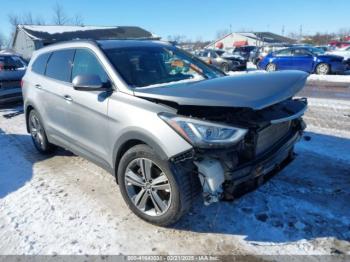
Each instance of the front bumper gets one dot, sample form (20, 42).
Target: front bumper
(340, 67)
(265, 163)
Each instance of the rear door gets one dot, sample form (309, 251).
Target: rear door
(52, 89)
(87, 110)
(303, 60)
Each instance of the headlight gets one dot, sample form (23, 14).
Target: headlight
(204, 134)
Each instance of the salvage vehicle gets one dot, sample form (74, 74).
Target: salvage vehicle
(164, 123)
(308, 59)
(222, 60)
(12, 69)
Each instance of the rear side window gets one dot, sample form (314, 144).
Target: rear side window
(59, 66)
(39, 64)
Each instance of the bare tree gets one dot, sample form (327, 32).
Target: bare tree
(59, 16)
(222, 33)
(14, 20)
(177, 38)
(2, 41)
(78, 20)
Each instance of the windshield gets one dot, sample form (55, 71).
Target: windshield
(150, 66)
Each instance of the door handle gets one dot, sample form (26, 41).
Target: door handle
(38, 86)
(68, 98)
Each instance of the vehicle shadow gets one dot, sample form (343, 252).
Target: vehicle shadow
(18, 157)
(308, 199)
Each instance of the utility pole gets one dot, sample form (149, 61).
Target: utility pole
(282, 30)
(300, 32)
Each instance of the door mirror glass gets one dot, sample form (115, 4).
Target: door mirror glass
(88, 83)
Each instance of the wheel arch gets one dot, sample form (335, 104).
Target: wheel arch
(28, 108)
(131, 139)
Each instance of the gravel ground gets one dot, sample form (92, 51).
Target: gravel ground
(63, 204)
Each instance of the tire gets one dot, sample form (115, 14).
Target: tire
(176, 193)
(271, 67)
(38, 134)
(323, 69)
(225, 67)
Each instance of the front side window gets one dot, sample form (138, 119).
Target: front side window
(39, 64)
(284, 52)
(157, 65)
(59, 65)
(301, 52)
(86, 63)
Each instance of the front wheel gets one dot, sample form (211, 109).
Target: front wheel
(153, 190)
(322, 69)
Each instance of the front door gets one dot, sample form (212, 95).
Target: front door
(303, 60)
(87, 111)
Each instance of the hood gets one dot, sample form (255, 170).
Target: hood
(331, 56)
(340, 53)
(255, 90)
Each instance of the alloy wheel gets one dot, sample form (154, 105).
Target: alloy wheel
(36, 130)
(147, 187)
(322, 69)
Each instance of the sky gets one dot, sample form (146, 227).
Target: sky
(191, 18)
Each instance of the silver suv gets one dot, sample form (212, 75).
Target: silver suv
(167, 125)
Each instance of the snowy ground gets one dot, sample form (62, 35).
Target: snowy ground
(63, 204)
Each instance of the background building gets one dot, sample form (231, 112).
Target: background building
(252, 38)
(29, 38)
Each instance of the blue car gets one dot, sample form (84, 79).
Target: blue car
(308, 59)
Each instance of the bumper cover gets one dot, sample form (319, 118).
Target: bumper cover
(265, 163)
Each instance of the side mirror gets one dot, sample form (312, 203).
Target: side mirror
(88, 83)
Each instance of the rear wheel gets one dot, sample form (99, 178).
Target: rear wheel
(38, 133)
(323, 69)
(153, 190)
(271, 67)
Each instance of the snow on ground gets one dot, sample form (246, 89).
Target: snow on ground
(63, 204)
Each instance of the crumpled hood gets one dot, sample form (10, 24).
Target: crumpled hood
(254, 90)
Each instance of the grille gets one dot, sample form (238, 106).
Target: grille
(270, 136)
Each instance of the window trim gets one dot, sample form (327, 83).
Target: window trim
(31, 66)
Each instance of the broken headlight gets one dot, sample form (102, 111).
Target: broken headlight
(203, 134)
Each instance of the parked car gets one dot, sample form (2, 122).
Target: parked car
(343, 52)
(12, 69)
(163, 122)
(259, 53)
(308, 59)
(339, 44)
(223, 61)
(244, 51)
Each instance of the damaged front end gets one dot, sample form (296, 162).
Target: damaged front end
(236, 145)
